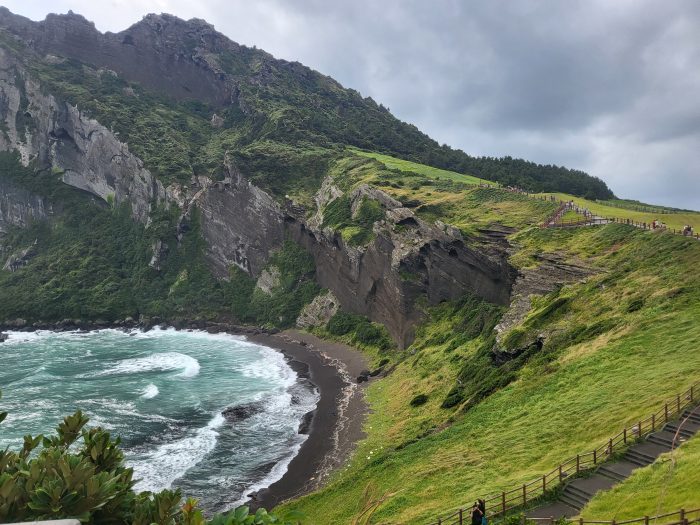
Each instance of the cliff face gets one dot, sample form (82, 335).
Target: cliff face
(409, 264)
(55, 135)
(19, 207)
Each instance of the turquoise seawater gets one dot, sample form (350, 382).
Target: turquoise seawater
(163, 393)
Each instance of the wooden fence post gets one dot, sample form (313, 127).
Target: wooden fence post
(544, 484)
(691, 394)
(595, 457)
(610, 447)
(678, 403)
(639, 430)
(682, 515)
(578, 463)
(461, 517)
(665, 412)
(653, 422)
(439, 521)
(503, 502)
(561, 476)
(524, 494)
(624, 435)
(646, 520)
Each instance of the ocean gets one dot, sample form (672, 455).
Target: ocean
(166, 394)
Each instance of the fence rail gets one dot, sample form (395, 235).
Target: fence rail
(500, 504)
(684, 517)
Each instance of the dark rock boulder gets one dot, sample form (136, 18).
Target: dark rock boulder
(241, 412)
(305, 424)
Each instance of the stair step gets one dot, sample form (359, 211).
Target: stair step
(611, 474)
(571, 502)
(664, 438)
(691, 415)
(638, 459)
(687, 429)
(578, 492)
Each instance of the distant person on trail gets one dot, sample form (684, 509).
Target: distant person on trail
(477, 515)
(482, 508)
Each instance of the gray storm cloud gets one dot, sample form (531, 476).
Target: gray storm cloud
(612, 88)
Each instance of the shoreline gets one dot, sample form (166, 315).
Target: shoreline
(335, 425)
(337, 422)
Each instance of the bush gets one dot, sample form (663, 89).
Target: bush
(420, 399)
(360, 330)
(54, 478)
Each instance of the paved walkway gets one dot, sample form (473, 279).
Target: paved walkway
(579, 492)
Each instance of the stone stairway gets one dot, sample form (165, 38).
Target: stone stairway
(577, 493)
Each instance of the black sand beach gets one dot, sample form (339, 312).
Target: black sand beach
(337, 423)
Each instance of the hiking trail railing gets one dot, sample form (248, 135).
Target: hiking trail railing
(500, 504)
(682, 517)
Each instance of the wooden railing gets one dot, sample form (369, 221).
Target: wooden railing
(505, 501)
(680, 517)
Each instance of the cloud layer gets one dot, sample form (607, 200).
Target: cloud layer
(612, 88)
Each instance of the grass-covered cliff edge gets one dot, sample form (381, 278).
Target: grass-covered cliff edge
(270, 187)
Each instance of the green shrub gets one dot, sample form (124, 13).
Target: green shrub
(56, 477)
(420, 399)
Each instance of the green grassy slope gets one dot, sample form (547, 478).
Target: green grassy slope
(439, 195)
(670, 484)
(568, 398)
(430, 172)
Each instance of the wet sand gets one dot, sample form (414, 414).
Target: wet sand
(337, 422)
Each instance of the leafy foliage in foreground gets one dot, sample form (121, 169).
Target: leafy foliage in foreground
(58, 477)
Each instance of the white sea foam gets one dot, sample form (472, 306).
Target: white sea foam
(162, 361)
(150, 391)
(159, 468)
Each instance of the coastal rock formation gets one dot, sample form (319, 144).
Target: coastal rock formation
(319, 311)
(405, 265)
(56, 136)
(407, 262)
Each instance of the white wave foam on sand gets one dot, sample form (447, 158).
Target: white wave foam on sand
(150, 391)
(159, 468)
(161, 361)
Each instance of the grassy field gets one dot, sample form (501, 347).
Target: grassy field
(421, 169)
(670, 484)
(674, 220)
(448, 199)
(616, 346)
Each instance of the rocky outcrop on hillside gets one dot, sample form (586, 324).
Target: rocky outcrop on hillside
(19, 207)
(55, 135)
(166, 67)
(407, 265)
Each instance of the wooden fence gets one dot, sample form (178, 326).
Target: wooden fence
(680, 517)
(500, 504)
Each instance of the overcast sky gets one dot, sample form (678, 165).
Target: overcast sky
(611, 87)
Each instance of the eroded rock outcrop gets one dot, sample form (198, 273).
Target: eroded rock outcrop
(19, 207)
(56, 136)
(408, 263)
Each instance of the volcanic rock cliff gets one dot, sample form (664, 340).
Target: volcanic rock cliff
(408, 263)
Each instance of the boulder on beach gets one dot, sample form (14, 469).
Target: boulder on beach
(3, 337)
